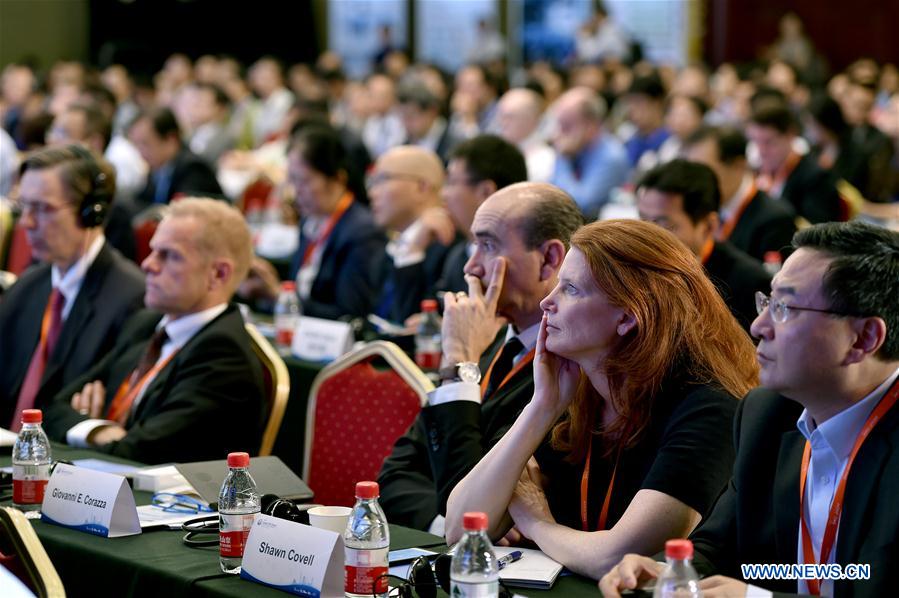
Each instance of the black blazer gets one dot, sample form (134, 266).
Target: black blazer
(348, 282)
(737, 277)
(453, 277)
(756, 519)
(812, 192)
(766, 225)
(206, 402)
(113, 289)
(444, 443)
(191, 176)
(404, 288)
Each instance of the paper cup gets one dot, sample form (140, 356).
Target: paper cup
(330, 518)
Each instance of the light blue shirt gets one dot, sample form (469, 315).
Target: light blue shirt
(602, 165)
(831, 444)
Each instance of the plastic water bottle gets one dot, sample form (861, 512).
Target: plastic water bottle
(238, 505)
(428, 346)
(679, 579)
(30, 463)
(773, 262)
(366, 544)
(474, 570)
(287, 314)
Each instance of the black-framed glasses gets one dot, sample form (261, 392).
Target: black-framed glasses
(179, 503)
(780, 311)
(374, 180)
(423, 581)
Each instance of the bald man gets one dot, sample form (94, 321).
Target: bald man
(520, 112)
(404, 189)
(591, 162)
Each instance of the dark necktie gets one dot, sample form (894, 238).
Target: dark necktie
(121, 404)
(503, 365)
(51, 325)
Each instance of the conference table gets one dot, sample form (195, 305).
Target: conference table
(157, 563)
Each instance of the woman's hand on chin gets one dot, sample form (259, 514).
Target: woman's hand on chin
(555, 378)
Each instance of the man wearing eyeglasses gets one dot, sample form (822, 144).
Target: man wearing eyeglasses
(404, 189)
(817, 469)
(66, 312)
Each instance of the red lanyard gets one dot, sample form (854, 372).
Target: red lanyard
(585, 485)
(836, 507)
(342, 206)
(727, 229)
(767, 182)
(706, 252)
(526, 360)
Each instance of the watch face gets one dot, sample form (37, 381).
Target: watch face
(469, 372)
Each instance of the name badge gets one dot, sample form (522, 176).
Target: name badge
(90, 501)
(294, 558)
(321, 340)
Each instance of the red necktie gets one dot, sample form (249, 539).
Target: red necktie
(120, 407)
(51, 325)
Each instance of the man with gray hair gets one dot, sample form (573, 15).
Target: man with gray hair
(182, 382)
(591, 162)
(521, 235)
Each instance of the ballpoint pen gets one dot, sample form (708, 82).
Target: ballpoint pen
(508, 559)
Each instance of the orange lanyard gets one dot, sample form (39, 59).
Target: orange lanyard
(526, 360)
(768, 182)
(129, 390)
(342, 206)
(836, 507)
(728, 228)
(585, 485)
(706, 252)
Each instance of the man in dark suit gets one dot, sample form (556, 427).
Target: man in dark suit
(784, 174)
(83, 289)
(750, 220)
(521, 237)
(404, 189)
(829, 357)
(477, 169)
(181, 384)
(419, 111)
(175, 171)
(683, 197)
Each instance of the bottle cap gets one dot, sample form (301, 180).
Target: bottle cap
(367, 490)
(289, 286)
(238, 459)
(429, 305)
(32, 416)
(772, 257)
(474, 521)
(679, 549)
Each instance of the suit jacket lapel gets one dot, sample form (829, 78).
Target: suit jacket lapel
(864, 479)
(786, 496)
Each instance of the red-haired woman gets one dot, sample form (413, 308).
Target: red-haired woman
(639, 365)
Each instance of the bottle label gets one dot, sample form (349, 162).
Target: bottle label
(364, 570)
(284, 336)
(29, 482)
(468, 589)
(428, 360)
(233, 532)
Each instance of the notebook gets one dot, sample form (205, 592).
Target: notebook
(533, 570)
(271, 475)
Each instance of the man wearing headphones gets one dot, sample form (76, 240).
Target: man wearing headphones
(65, 313)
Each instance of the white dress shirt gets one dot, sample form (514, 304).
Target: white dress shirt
(69, 284)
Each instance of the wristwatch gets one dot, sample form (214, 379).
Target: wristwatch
(464, 371)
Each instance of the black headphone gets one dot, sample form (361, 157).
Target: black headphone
(270, 505)
(94, 205)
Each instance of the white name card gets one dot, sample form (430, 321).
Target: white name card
(90, 501)
(294, 558)
(321, 340)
